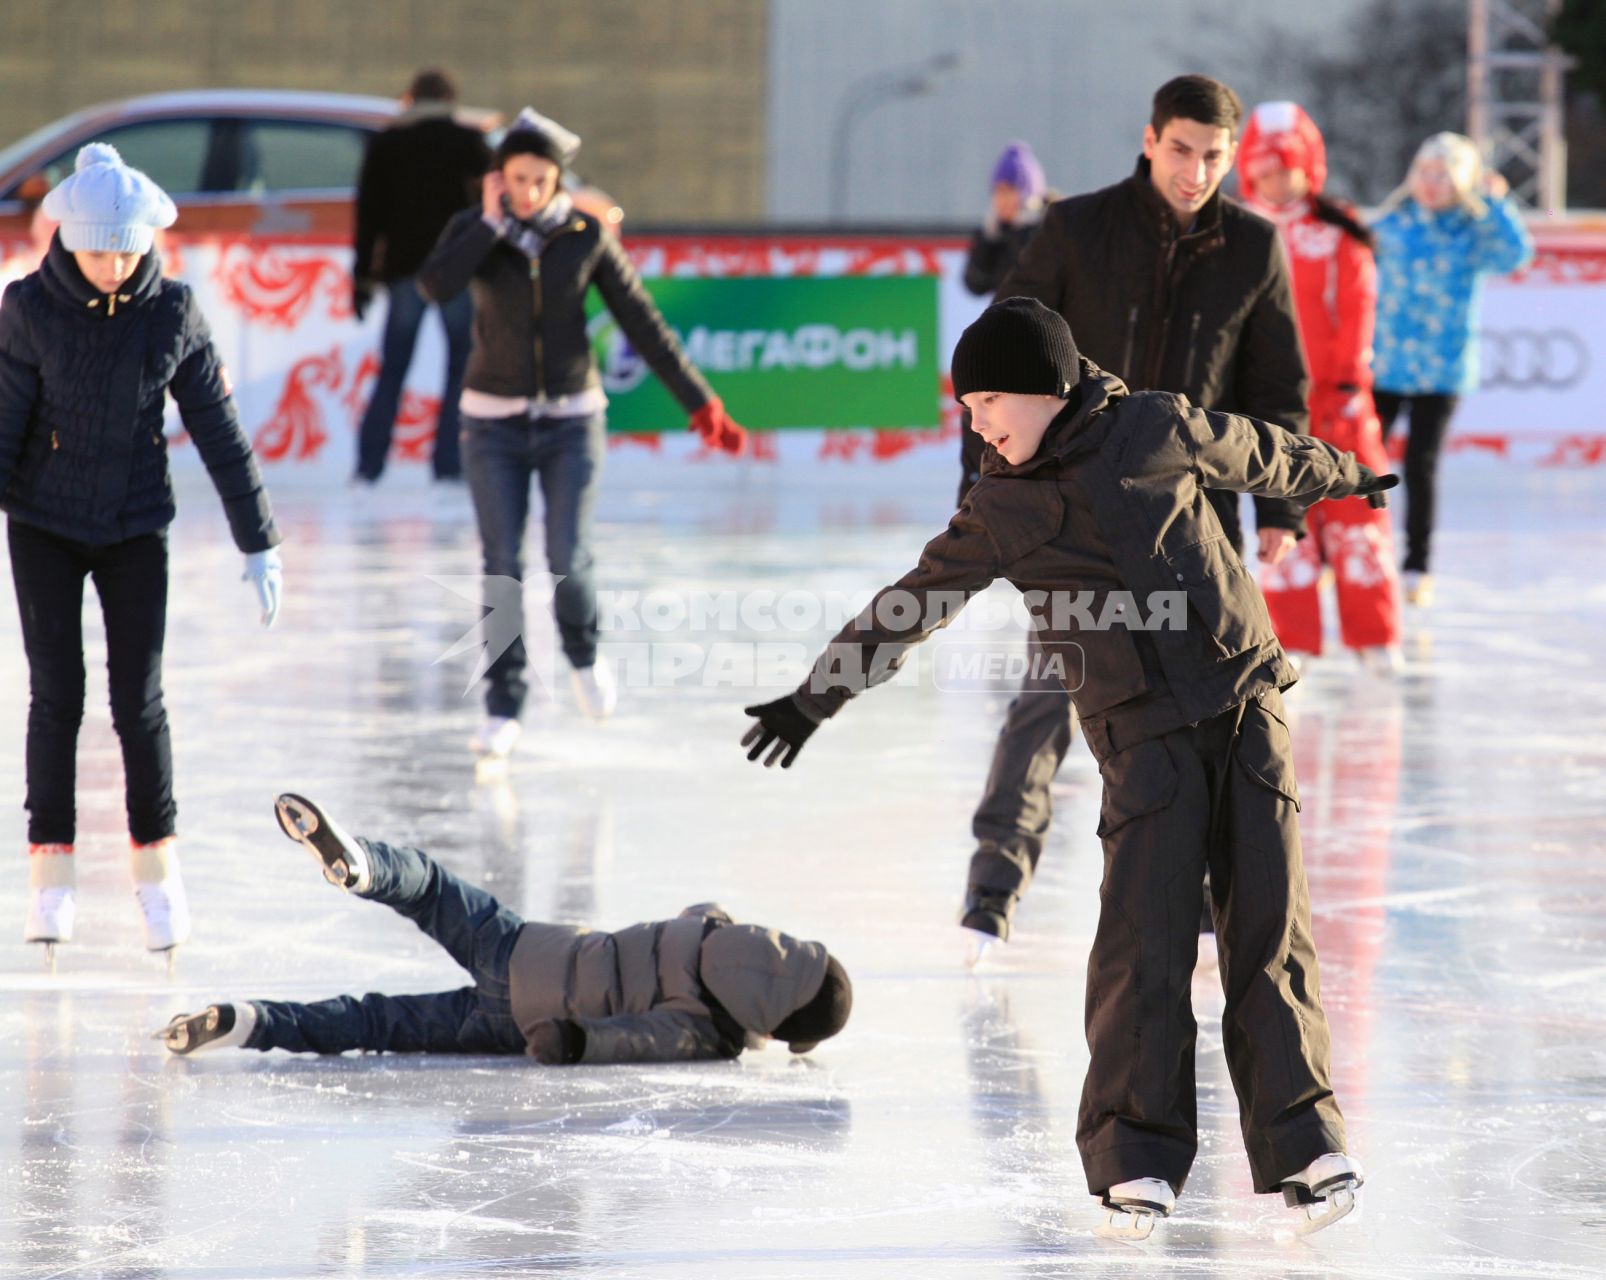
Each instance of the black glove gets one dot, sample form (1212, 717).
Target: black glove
(783, 722)
(362, 296)
(1372, 485)
(558, 1042)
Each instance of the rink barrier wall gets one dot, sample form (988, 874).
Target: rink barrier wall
(791, 359)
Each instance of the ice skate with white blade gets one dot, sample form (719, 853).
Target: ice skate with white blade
(1131, 1209)
(52, 905)
(1418, 588)
(218, 1026)
(1381, 659)
(985, 921)
(344, 862)
(495, 738)
(595, 689)
(1327, 1189)
(164, 907)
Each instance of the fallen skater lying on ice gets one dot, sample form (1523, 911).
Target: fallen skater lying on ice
(697, 986)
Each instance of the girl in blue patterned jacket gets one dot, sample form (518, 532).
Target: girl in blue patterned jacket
(1447, 227)
(91, 344)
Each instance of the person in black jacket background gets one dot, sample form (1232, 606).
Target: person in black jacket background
(533, 405)
(416, 174)
(91, 344)
(1169, 286)
(1019, 195)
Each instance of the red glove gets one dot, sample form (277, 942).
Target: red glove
(717, 428)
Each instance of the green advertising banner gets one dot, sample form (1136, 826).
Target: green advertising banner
(785, 351)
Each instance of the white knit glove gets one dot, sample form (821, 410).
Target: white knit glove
(265, 571)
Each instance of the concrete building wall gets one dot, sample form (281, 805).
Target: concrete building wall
(667, 94)
(1072, 77)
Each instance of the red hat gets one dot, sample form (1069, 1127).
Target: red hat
(1280, 135)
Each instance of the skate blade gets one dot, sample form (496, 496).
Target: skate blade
(49, 945)
(978, 947)
(296, 822)
(1128, 1226)
(1340, 1203)
(489, 768)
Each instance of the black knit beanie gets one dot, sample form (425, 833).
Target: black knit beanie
(1016, 345)
(823, 1016)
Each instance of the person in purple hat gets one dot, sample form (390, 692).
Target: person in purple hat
(1020, 194)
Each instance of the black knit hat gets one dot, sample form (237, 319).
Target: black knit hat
(1016, 345)
(823, 1016)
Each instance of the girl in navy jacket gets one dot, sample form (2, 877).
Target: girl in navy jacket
(90, 346)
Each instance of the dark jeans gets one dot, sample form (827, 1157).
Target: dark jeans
(500, 457)
(1430, 420)
(1013, 817)
(404, 313)
(131, 579)
(477, 932)
(1221, 794)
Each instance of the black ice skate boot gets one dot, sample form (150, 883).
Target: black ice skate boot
(986, 919)
(344, 862)
(218, 1026)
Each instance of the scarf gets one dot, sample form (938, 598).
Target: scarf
(530, 236)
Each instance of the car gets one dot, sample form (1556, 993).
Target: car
(237, 162)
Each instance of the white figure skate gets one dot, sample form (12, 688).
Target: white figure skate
(495, 738)
(164, 907)
(1327, 1189)
(50, 919)
(595, 689)
(1132, 1208)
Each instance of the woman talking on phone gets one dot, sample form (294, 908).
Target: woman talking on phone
(533, 405)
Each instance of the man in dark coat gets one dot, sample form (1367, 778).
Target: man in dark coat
(416, 175)
(1093, 503)
(1169, 286)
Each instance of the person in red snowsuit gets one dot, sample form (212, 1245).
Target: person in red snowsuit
(1282, 165)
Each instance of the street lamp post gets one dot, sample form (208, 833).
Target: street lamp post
(863, 97)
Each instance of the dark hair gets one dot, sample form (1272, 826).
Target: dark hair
(1197, 98)
(1343, 217)
(526, 142)
(433, 84)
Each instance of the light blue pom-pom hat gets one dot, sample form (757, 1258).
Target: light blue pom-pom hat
(103, 206)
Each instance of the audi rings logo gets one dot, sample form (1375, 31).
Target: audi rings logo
(1530, 359)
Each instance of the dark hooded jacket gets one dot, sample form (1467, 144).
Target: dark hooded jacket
(1208, 314)
(1107, 529)
(693, 987)
(84, 378)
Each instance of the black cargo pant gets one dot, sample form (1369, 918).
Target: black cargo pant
(1219, 794)
(1016, 809)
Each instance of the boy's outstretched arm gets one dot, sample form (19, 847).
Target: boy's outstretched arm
(1251, 456)
(957, 564)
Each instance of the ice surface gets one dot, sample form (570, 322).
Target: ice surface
(1453, 821)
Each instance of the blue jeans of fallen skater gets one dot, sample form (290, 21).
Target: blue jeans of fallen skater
(501, 456)
(404, 315)
(475, 929)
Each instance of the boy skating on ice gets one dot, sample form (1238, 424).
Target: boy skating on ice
(1096, 497)
(697, 986)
